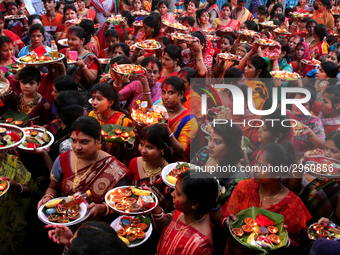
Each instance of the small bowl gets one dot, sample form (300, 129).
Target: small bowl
(238, 232)
(50, 211)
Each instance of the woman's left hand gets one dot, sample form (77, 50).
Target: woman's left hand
(96, 209)
(80, 63)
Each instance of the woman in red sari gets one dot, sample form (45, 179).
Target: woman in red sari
(71, 170)
(152, 29)
(188, 231)
(171, 59)
(225, 21)
(182, 126)
(266, 191)
(301, 52)
(85, 13)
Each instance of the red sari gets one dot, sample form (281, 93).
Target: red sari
(186, 241)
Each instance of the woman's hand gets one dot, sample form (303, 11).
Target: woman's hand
(13, 186)
(80, 63)
(96, 209)
(123, 23)
(196, 48)
(323, 220)
(302, 66)
(166, 125)
(67, 25)
(43, 201)
(228, 219)
(60, 234)
(307, 131)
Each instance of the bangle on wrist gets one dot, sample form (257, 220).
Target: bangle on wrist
(84, 67)
(21, 188)
(198, 59)
(158, 214)
(107, 209)
(157, 218)
(117, 86)
(147, 93)
(171, 134)
(48, 195)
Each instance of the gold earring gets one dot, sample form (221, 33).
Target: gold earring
(193, 207)
(162, 152)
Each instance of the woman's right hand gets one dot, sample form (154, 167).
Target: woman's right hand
(43, 201)
(230, 218)
(60, 234)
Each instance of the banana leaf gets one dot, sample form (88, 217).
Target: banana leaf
(15, 115)
(111, 135)
(252, 212)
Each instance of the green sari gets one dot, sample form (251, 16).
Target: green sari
(13, 208)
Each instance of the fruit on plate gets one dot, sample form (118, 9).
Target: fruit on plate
(171, 179)
(124, 240)
(285, 75)
(139, 192)
(54, 203)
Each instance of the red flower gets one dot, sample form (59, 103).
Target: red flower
(32, 145)
(14, 137)
(263, 221)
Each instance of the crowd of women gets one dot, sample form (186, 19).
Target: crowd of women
(72, 101)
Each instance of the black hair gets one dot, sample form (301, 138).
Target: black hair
(321, 31)
(234, 74)
(163, 2)
(260, 64)
(68, 7)
(251, 25)
(228, 5)
(190, 20)
(65, 82)
(5, 39)
(178, 85)
(281, 17)
(229, 38)
(163, 39)
(124, 46)
(187, 2)
(296, 36)
(284, 46)
(275, 22)
(337, 53)
(158, 17)
(189, 73)
(200, 188)
(330, 68)
(148, 60)
(200, 36)
(88, 125)
(38, 27)
(232, 137)
(13, 3)
(88, 26)
(112, 32)
(108, 92)
(80, 33)
(266, 33)
(2, 16)
(275, 7)
(129, 18)
(275, 127)
(120, 59)
(310, 22)
(58, 6)
(28, 74)
(335, 137)
(263, 10)
(199, 13)
(241, 1)
(287, 11)
(151, 21)
(69, 105)
(280, 154)
(326, 3)
(211, 3)
(158, 136)
(311, 88)
(33, 17)
(246, 45)
(174, 52)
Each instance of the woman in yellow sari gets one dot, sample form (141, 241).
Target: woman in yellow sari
(240, 13)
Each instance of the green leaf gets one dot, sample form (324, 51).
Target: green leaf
(110, 130)
(15, 115)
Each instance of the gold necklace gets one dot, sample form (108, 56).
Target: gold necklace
(265, 198)
(182, 228)
(152, 172)
(78, 179)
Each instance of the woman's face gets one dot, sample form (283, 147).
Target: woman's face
(70, 14)
(265, 136)
(148, 30)
(148, 151)
(225, 45)
(331, 150)
(241, 6)
(337, 23)
(204, 19)
(241, 51)
(167, 62)
(152, 73)
(170, 96)
(262, 176)
(110, 41)
(321, 7)
(217, 146)
(225, 12)
(310, 28)
(179, 199)
(81, 5)
(250, 71)
(54, 92)
(332, 57)
(61, 9)
(74, 42)
(302, 2)
(321, 74)
(296, 110)
(6, 51)
(163, 9)
(13, 10)
(183, 76)
(100, 103)
(191, 8)
(29, 88)
(37, 38)
(118, 51)
(83, 145)
(292, 43)
(137, 5)
(299, 52)
(327, 106)
(278, 10)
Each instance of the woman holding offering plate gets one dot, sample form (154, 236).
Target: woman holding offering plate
(86, 167)
(266, 191)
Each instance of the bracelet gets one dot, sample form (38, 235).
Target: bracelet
(237, 44)
(198, 59)
(147, 93)
(48, 195)
(146, 90)
(158, 215)
(84, 67)
(107, 209)
(157, 218)
(171, 135)
(311, 135)
(216, 209)
(248, 56)
(22, 188)
(114, 85)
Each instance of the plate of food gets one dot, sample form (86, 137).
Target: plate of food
(15, 67)
(59, 211)
(246, 32)
(302, 15)
(269, 24)
(129, 200)
(4, 186)
(129, 70)
(74, 21)
(178, 11)
(138, 23)
(285, 76)
(13, 17)
(183, 37)
(115, 19)
(104, 61)
(170, 172)
(156, 114)
(227, 30)
(210, 31)
(34, 59)
(4, 86)
(282, 30)
(132, 230)
(175, 25)
(149, 45)
(213, 38)
(316, 152)
(63, 42)
(266, 42)
(10, 137)
(321, 166)
(71, 62)
(327, 230)
(298, 129)
(140, 13)
(207, 127)
(312, 62)
(36, 138)
(229, 56)
(259, 229)
(118, 134)
(14, 117)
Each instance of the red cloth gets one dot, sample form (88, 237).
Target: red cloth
(60, 28)
(263, 221)
(316, 108)
(102, 54)
(16, 39)
(120, 31)
(40, 50)
(46, 87)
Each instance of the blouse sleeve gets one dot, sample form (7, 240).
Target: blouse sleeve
(216, 23)
(57, 173)
(129, 90)
(188, 133)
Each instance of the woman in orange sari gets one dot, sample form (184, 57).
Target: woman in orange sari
(182, 126)
(152, 29)
(323, 15)
(225, 21)
(266, 191)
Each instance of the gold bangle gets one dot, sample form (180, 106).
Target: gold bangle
(197, 59)
(107, 209)
(48, 195)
